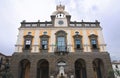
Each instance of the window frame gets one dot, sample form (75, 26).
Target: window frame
(95, 37)
(61, 33)
(44, 38)
(30, 38)
(78, 37)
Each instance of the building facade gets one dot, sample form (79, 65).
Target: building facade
(3, 60)
(116, 67)
(4, 63)
(60, 48)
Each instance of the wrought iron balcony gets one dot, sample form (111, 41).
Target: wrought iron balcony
(62, 50)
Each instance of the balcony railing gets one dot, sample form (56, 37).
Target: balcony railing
(61, 49)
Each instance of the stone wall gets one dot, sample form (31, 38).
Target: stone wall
(53, 59)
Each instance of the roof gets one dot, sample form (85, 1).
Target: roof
(115, 62)
(2, 54)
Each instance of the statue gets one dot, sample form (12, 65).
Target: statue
(62, 76)
(61, 73)
(51, 76)
(72, 76)
(61, 70)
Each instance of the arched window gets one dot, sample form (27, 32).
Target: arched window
(60, 15)
(27, 42)
(61, 43)
(44, 41)
(78, 42)
(94, 42)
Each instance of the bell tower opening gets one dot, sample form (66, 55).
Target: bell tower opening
(60, 18)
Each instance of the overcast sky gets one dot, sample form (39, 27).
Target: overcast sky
(107, 12)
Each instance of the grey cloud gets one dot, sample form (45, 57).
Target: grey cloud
(109, 18)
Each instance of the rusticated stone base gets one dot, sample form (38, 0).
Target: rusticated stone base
(53, 59)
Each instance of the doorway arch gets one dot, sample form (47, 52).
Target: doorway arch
(25, 69)
(43, 69)
(80, 69)
(98, 68)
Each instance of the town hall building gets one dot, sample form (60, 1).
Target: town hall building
(60, 48)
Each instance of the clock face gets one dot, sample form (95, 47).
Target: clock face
(60, 22)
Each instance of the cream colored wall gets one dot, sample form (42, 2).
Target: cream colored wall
(63, 25)
(18, 46)
(85, 41)
(101, 41)
(35, 46)
(36, 32)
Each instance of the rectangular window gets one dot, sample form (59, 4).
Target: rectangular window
(44, 44)
(79, 25)
(87, 25)
(34, 25)
(94, 43)
(42, 25)
(116, 66)
(93, 25)
(61, 43)
(27, 25)
(29, 33)
(72, 25)
(27, 44)
(49, 24)
(77, 42)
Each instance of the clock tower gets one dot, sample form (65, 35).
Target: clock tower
(60, 18)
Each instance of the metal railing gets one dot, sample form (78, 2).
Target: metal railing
(61, 49)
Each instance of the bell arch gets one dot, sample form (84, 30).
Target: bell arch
(43, 69)
(80, 69)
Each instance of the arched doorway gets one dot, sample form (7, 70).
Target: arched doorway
(80, 69)
(25, 69)
(43, 69)
(98, 68)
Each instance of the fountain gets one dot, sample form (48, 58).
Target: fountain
(61, 73)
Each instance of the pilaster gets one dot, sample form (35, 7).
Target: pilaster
(33, 69)
(89, 69)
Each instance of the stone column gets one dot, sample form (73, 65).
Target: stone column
(33, 69)
(52, 68)
(71, 68)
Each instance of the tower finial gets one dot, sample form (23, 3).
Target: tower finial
(60, 2)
